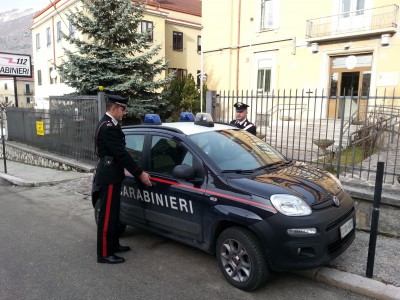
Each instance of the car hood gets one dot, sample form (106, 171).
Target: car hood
(308, 183)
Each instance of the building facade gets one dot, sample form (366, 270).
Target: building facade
(341, 47)
(25, 91)
(176, 24)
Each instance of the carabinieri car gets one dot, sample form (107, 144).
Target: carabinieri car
(225, 191)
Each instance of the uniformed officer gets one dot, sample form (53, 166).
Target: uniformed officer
(241, 118)
(113, 158)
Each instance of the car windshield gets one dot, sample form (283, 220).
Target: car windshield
(236, 150)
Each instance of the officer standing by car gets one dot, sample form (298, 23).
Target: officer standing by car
(113, 158)
(241, 118)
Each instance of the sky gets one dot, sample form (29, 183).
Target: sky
(23, 4)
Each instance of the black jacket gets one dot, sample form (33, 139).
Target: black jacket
(247, 125)
(113, 157)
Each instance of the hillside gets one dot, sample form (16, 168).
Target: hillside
(15, 36)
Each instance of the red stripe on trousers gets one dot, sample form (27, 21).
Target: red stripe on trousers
(106, 219)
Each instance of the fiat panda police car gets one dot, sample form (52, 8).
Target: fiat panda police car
(225, 191)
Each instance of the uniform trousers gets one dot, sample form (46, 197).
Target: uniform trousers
(108, 219)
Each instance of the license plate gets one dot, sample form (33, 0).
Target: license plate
(346, 228)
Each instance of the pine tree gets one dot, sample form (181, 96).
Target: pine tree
(115, 55)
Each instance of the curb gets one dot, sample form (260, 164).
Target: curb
(23, 182)
(354, 283)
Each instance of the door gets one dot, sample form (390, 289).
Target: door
(173, 206)
(350, 78)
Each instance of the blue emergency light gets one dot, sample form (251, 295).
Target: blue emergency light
(186, 117)
(204, 119)
(152, 119)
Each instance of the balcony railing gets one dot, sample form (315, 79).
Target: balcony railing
(30, 92)
(360, 22)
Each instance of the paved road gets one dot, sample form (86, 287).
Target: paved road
(48, 246)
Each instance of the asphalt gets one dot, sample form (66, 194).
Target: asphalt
(348, 271)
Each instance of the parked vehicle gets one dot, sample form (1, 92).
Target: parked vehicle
(225, 191)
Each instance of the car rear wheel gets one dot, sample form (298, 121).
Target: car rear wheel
(241, 258)
(121, 227)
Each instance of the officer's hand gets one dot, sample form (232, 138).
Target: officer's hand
(145, 178)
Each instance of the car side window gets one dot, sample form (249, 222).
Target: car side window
(167, 153)
(134, 145)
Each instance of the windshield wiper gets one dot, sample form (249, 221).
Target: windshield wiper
(274, 165)
(238, 171)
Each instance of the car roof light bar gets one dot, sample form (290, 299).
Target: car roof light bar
(204, 119)
(186, 117)
(152, 119)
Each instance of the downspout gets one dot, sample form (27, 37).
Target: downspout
(238, 49)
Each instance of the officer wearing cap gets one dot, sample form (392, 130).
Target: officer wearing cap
(241, 118)
(113, 159)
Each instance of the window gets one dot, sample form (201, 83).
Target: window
(39, 76)
(5, 86)
(37, 41)
(147, 26)
(27, 88)
(52, 80)
(134, 145)
(267, 14)
(352, 5)
(48, 37)
(199, 43)
(28, 100)
(167, 153)
(180, 73)
(264, 76)
(58, 31)
(71, 28)
(177, 41)
(6, 99)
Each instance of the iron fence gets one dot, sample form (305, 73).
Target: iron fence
(66, 128)
(346, 135)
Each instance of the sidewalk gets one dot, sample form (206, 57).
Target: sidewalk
(345, 272)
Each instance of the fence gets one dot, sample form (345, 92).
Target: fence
(66, 128)
(345, 135)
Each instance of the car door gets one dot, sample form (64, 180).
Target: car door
(173, 205)
(132, 208)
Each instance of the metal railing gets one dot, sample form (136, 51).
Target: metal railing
(68, 126)
(378, 18)
(342, 135)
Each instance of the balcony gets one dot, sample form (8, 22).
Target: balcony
(28, 92)
(375, 21)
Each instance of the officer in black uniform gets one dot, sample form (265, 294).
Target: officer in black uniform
(113, 158)
(241, 118)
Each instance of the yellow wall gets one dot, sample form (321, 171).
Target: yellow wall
(25, 97)
(294, 65)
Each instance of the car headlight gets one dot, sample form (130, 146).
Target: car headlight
(290, 205)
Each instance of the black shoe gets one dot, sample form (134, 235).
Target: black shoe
(121, 249)
(112, 259)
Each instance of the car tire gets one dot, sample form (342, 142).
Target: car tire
(121, 227)
(242, 259)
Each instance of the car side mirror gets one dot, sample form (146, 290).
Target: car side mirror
(183, 172)
(186, 172)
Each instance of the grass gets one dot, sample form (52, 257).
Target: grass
(349, 157)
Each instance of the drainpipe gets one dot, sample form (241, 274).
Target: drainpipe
(238, 49)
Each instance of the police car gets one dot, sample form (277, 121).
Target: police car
(225, 191)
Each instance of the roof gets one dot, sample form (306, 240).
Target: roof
(188, 128)
(185, 6)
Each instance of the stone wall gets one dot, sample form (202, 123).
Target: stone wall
(37, 157)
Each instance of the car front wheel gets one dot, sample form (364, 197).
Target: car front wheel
(241, 258)
(121, 227)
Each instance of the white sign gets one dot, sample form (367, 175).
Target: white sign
(15, 65)
(351, 62)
